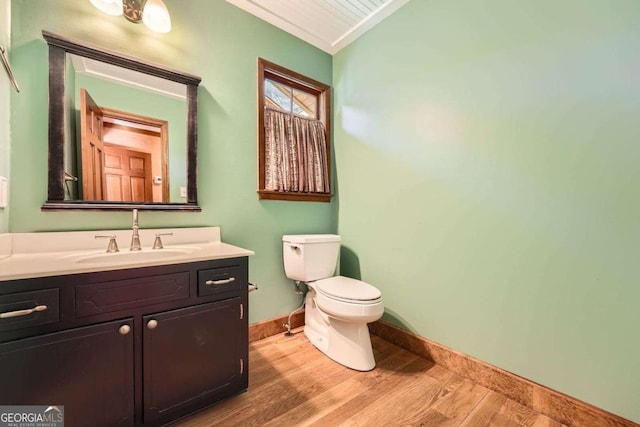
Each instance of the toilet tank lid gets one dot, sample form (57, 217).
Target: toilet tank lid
(310, 238)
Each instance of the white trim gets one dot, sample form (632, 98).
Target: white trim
(330, 46)
(126, 77)
(365, 25)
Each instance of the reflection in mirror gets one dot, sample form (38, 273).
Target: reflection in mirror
(122, 133)
(130, 134)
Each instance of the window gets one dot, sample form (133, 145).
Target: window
(293, 136)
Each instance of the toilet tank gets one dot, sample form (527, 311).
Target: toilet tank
(309, 257)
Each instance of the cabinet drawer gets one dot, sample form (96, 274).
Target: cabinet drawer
(26, 309)
(219, 280)
(105, 297)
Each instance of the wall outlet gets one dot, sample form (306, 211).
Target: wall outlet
(183, 191)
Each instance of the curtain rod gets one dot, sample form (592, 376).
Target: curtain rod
(7, 68)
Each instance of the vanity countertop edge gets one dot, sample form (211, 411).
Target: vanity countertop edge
(31, 255)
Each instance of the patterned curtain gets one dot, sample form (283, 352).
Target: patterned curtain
(295, 153)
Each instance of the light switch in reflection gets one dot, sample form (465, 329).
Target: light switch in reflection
(3, 192)
(183, 191)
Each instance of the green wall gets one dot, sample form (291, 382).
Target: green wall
(487, 156)
(5, 96)
(218, 42)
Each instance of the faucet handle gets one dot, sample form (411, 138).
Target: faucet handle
(157, 244)
(113, 245)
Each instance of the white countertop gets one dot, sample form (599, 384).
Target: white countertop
(29, 255)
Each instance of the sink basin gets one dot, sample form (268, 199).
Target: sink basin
(133, 256)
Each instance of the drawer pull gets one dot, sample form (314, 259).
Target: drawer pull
(124, 329)
(220, 282)
(152, 324)
(19, 313)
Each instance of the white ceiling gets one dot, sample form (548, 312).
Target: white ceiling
(327, 24)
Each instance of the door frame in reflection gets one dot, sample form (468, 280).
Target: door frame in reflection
(127, 131)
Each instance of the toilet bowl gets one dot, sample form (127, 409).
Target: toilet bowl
(337, 308)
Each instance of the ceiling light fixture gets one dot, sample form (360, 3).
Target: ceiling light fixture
(153, 13)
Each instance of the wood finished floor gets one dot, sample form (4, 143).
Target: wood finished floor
(292, 384)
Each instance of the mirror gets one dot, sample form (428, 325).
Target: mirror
(122, 132)
(129, 143)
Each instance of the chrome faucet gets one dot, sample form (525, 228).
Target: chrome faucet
(135, 238)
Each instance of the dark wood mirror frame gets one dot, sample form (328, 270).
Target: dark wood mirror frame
(58, 48)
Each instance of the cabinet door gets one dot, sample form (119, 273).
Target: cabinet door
(192, 356)
(87, 370)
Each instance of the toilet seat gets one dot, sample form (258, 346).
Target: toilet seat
(346, 289)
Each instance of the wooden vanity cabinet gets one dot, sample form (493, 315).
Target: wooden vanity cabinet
(191, 357)
(89, 370)
(134, 347)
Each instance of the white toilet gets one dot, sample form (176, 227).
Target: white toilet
(337, 308)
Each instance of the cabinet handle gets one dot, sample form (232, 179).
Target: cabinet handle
(124, 329)
(152, 324)
(23, 312)
(220, 282)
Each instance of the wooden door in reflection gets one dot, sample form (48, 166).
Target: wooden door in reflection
(92, 147)
(127, 175)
